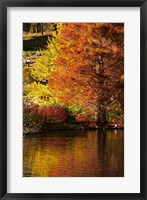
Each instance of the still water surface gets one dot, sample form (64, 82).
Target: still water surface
(74, 154)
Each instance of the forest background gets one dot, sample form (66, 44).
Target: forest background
(73, 76)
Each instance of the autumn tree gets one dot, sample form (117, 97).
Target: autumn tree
(90, 67)
(36, 90)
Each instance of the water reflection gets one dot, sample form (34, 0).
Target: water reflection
(74, 154)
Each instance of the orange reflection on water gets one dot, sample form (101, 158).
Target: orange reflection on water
(74, 154)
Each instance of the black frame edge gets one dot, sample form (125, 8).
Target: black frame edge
(72, 196)
(3, 101)
(3, 94)
(143, 105)
(75, 3)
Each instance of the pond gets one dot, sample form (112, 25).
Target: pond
(74, 154)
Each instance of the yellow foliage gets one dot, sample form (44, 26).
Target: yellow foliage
(38, 94)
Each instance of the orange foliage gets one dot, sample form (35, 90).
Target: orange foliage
(90, 66)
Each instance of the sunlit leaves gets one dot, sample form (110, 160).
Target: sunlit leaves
(89, 66)
(38, 94)
(46, 63)
(83, 65)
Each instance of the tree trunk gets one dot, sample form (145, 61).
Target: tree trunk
(42, 28)
(101, 118)
(37, 27)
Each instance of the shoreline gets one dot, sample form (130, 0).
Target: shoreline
(73, 128)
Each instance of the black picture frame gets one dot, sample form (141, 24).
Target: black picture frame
(4, 4)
